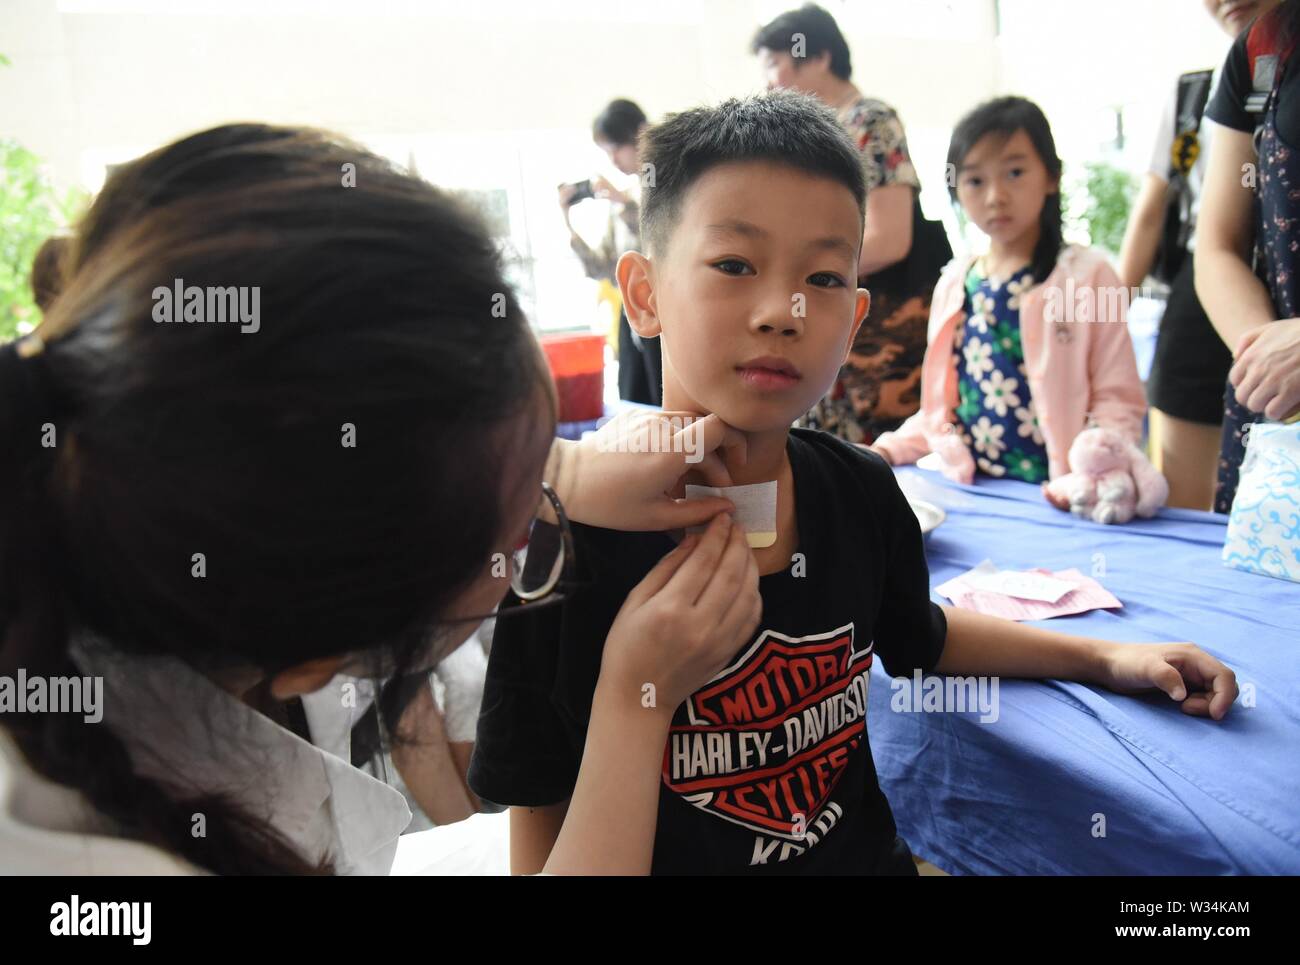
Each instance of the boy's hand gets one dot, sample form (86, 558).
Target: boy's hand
(1203, 685)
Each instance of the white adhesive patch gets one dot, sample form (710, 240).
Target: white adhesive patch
(755, 509)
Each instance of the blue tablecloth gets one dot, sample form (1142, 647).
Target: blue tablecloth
(1027, 793)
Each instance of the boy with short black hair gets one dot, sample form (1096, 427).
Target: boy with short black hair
(752, 219)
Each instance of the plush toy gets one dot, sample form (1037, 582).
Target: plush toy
(1111, 480)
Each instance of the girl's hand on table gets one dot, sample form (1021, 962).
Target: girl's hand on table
(1205, 686)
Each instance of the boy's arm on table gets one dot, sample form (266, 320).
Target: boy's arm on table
(979, 644)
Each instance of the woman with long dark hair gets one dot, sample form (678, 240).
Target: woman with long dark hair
(205, 517)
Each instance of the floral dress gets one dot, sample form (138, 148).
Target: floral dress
(996, 414)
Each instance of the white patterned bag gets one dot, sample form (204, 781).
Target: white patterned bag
(1264, 527)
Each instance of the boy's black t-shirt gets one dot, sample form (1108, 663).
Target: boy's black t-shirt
(767, 767)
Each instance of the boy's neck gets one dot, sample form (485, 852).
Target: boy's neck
(765, 454)
(765, 457)
(766, 460)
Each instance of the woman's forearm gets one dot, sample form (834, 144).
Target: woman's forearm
(880, 251)
(1233, 297)
(887, 235)
(1142, 236)
(612, 816)
(1235, 300)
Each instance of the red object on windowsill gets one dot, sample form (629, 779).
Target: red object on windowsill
(577, 364)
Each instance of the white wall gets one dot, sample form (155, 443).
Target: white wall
(502, 92)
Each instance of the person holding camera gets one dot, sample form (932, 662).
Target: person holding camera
(615, 131)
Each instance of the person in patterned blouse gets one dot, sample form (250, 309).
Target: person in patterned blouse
(902, 253)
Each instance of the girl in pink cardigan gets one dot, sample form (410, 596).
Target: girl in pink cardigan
(1028, 345)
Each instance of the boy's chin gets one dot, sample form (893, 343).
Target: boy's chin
(747, 416)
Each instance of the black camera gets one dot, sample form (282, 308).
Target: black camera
(581, 192)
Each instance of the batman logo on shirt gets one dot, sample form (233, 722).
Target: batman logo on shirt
(1186, 150)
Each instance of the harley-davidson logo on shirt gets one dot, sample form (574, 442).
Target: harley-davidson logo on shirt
(766, 741)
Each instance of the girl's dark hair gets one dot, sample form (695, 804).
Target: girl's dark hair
(383, 311)
(618, 123)
(819, 31)
(1001, 118)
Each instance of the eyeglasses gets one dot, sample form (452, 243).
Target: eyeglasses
(542, 566)
(542, 571)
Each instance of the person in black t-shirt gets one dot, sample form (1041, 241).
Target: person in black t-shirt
(753, 224)
(1252, 201)
(822, 627)
(1190, 362)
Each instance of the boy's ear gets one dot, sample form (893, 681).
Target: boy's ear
(636, 282)
(860, 309)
